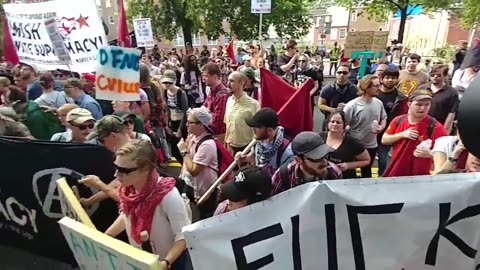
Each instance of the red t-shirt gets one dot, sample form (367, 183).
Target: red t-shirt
(403, 163)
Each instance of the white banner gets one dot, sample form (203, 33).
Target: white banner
(261, 6)
(143, 32)
(409, 223)
(78, 23)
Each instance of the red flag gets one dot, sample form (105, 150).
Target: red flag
(123, 36)
(230, 51)
(293, 106)
(9, 50)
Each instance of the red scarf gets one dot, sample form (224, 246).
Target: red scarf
(140, 207)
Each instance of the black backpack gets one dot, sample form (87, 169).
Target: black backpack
(431, 124)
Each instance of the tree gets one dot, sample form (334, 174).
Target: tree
(381, 9)
(470, 13)
(288, 17)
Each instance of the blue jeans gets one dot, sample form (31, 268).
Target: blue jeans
(383, 158)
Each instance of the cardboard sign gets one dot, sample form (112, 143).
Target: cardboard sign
(95, 250)
(118, 74)
(143, 32)
(78, 23)
(375, 41)
(70, 205)
(57, 41)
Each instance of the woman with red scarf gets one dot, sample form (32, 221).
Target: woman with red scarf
(149, 203)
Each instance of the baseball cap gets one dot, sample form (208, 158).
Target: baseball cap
(169, 76)
(106, 125)
(311, 145)
(79, 116)
(73, 82)
(203, 115)
(266, 117)
(249, 182)
(246, 57)
(124, 114)
(250, 73)
(420, 94)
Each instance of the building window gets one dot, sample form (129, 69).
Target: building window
(319, 22)
(212, 42)
(342, 33)
(353, 16)
(179, 41)
(352, 29)
(111, 20)
(196, 40)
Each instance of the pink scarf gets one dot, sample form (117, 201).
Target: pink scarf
(140, 207)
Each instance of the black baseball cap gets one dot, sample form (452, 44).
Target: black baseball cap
(249, 182)
(311, 145)
(266, 117)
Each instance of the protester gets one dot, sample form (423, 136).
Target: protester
(410, 78)
(224, 69)
(239, 107)
(449, 153)
(111, 132)
(200, 160)
(191, 82)
(310, 163)
(216, 99)
(74, 89)
(80, 123)
(306, 71)
(30, 82)
(445, 98)
(250, 185)
(334, 96)
(130, 121)
(122, 108)
(463, 77)
(251, 86)
(395, 104)
(42, 125)
(412, 136)
(366, 117)
(49, 97)
(150, 203)
(272, 148)
(288, 62)
(10, 126)
(348, 154)
(63, 111)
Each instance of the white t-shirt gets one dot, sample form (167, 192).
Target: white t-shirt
(143, 137)
(194, 81)
(445, 145)
(54, 99)
(169, 218)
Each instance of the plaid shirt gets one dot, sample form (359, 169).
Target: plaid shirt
(216, 103)
(296, 180)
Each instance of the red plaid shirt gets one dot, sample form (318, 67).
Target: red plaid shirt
(216, 102)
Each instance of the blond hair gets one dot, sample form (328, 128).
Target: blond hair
(141, 151)
(4, 81)
(365, 83)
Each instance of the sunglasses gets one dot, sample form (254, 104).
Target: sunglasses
(123, 170)
(167, 83)
(342, 72)
(83, 126)
(190, 122)
(102, 139)
(130, 121)
(302, 61)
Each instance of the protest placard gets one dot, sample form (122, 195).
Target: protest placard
(57, 42)
(71, 207)
(95, 250)
(425, 222)
(78, 24)
(143, 32)
(375, 41)
(118, 74)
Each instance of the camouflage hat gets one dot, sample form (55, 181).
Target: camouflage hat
(106, 125)
(250, 73)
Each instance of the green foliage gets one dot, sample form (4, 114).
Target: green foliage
(207, 17)
(470, 13)
(446, 53)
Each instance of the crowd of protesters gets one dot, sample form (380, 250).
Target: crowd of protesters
(201, 110)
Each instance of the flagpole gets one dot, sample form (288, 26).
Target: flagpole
(260, 28)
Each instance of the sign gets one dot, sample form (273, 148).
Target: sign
(375, 41)
(95, 250)
(143, 32)
(57, 41)
(78, 24)
(376, 224)
(261, 6)
(70, 205)
(118, 74)
(30, 202)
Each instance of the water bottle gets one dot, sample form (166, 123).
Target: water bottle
(375, 125)
(186, 200)
(425, 145)
(146, 245)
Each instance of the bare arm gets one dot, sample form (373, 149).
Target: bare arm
(193, 168)
(289, 65)
(117, 227)
(322, 104)
(389, 139)
(449, 122)
(361, 161)
(315, 88)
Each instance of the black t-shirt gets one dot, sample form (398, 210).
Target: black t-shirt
(346, 152)
(284, 59)
(460, 55)
(303, 75)
(335, 94)
(388, 100)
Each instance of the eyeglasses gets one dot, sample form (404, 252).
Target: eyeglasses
(123, 170)
(192, 122)
(167, 83)
(302, 61)
(342, 72)
(83, 126)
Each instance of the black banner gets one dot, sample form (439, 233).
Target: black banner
(29, 198)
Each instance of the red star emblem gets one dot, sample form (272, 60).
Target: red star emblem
(82, 21)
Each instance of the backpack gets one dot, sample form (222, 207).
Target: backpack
(224, 158)
(431, 124)
(283, 170)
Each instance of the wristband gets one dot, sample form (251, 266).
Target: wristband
(183, 153)
(167, 262)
